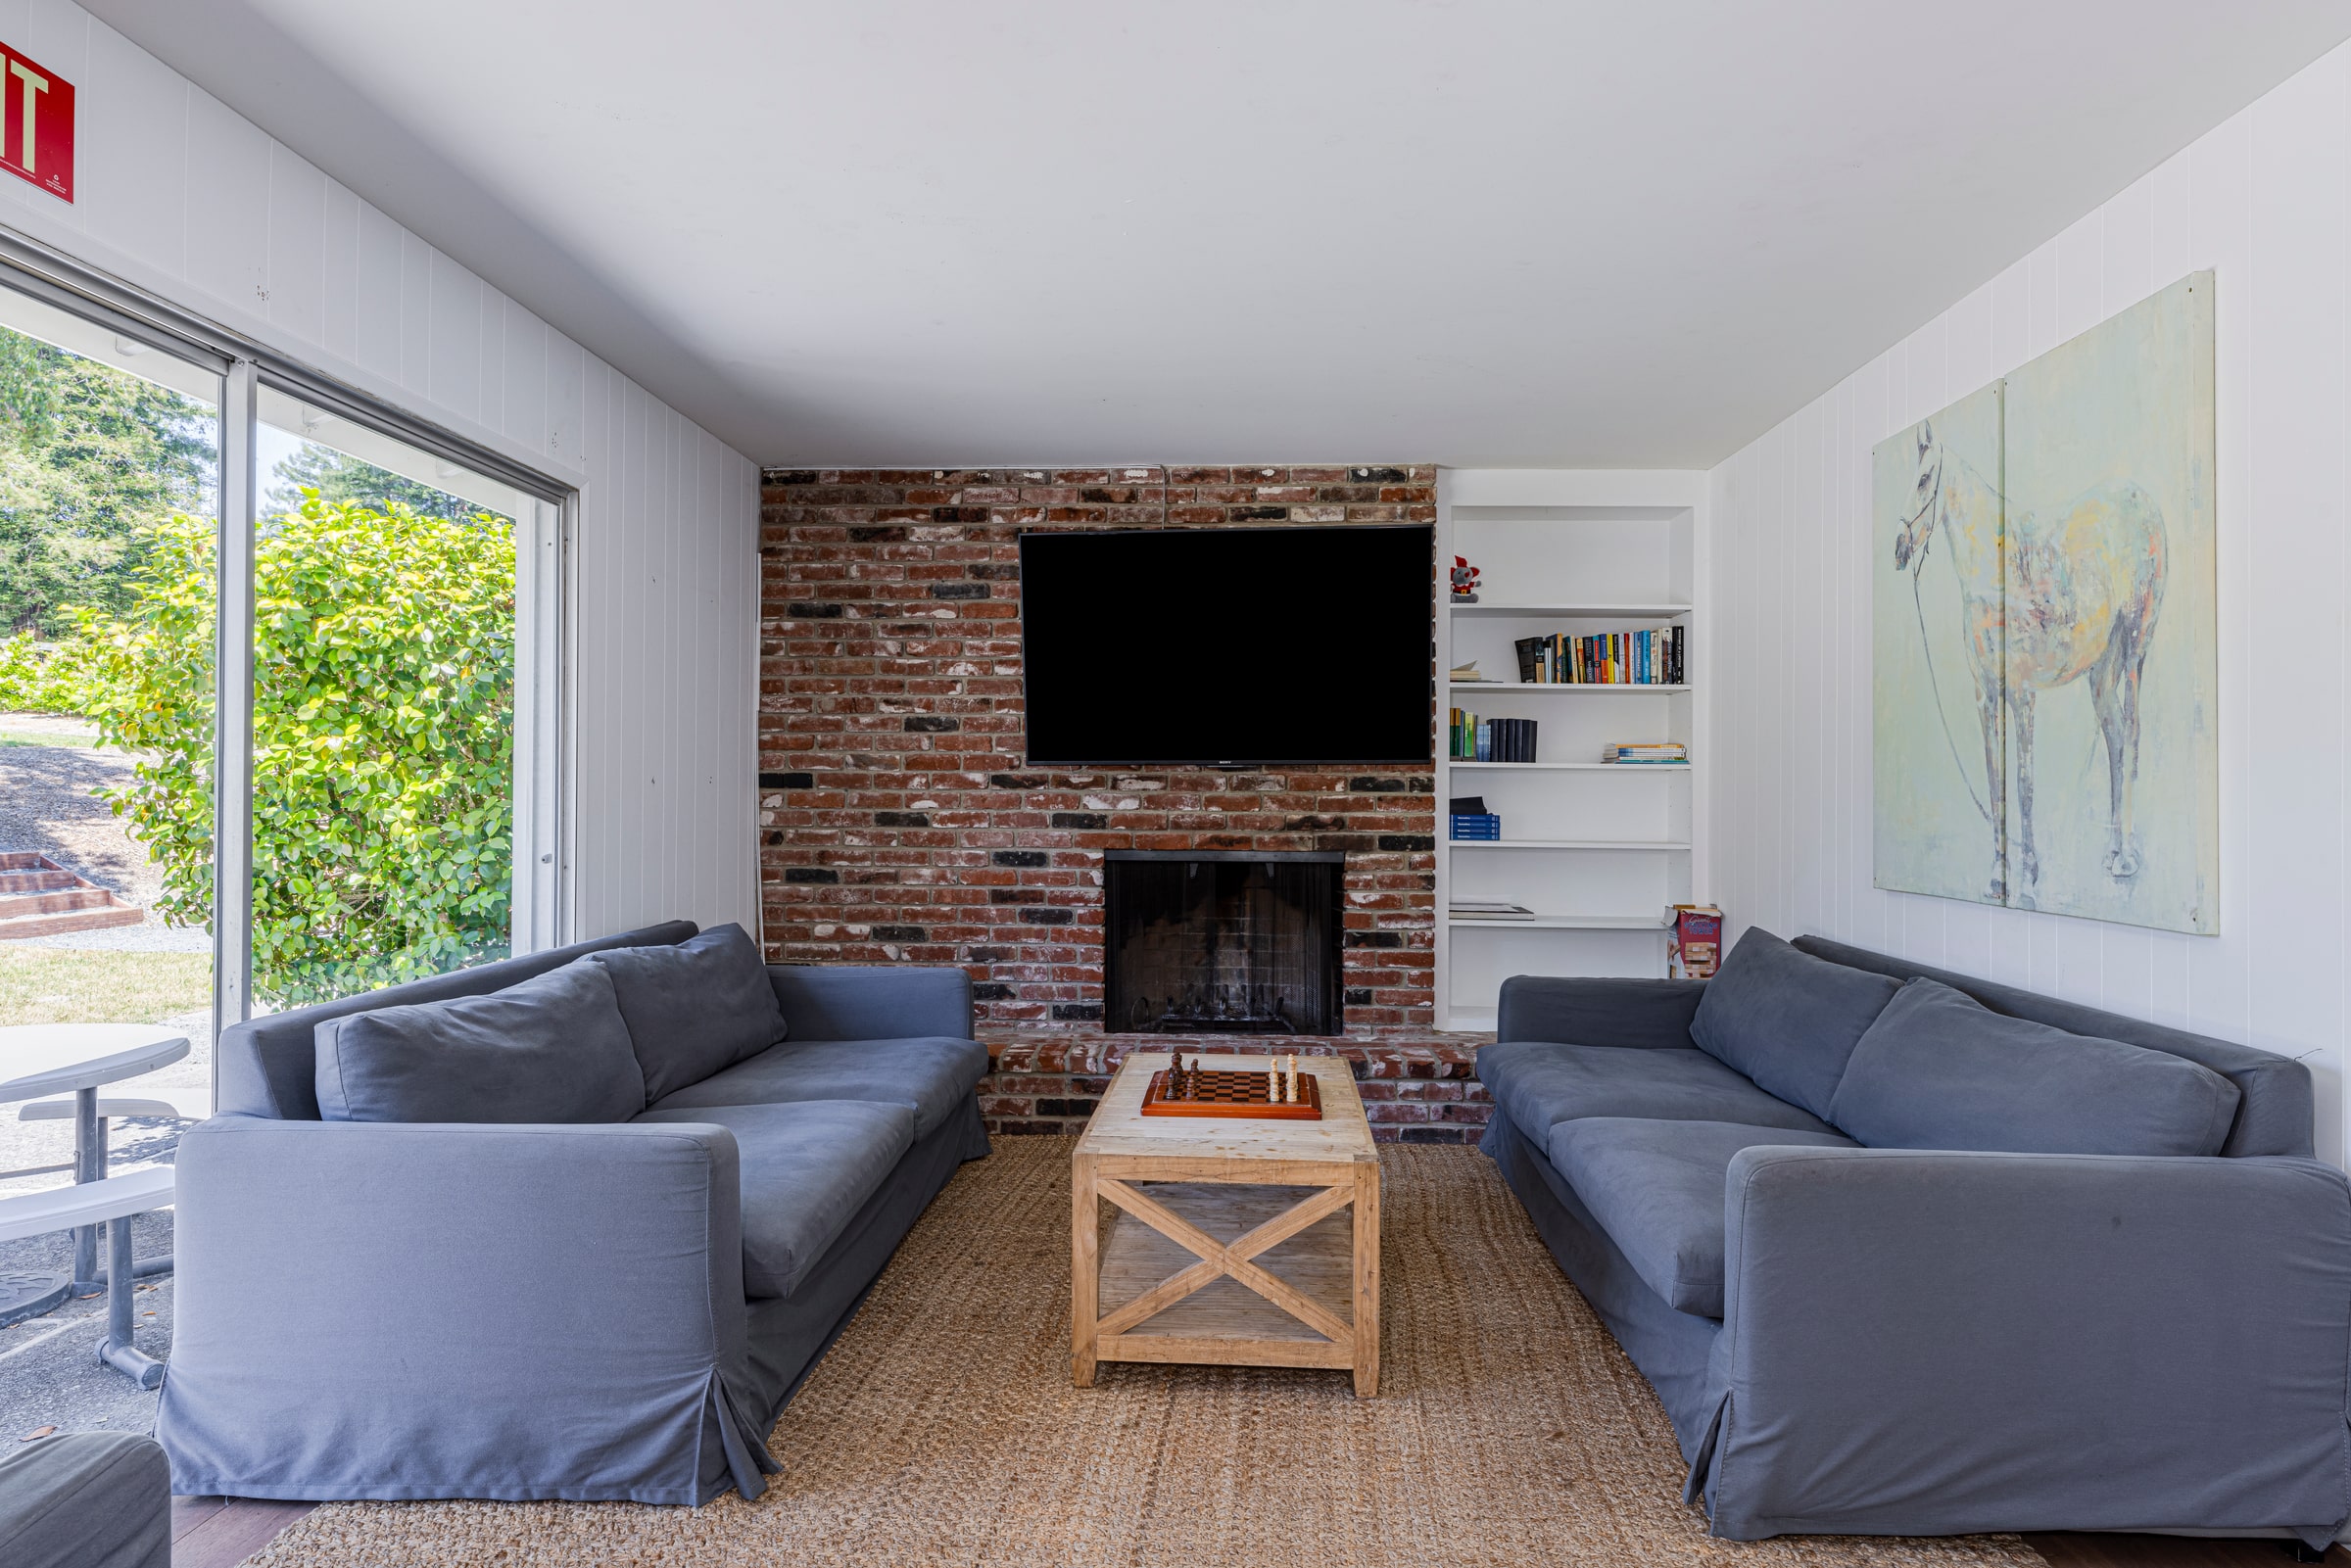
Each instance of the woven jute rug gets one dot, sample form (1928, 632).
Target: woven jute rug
(942, 1428)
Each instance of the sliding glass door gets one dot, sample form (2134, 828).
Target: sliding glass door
(279, 715)
(385, 661)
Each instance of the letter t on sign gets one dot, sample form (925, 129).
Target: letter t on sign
(36, 141)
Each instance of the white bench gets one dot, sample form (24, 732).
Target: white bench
(112, 1201)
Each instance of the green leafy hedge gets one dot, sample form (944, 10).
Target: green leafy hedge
(37, 677)
(383, 738)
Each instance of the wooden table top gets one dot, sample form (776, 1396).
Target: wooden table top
(1120, 1128)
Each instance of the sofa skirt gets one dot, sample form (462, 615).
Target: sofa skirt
(1674, 1349)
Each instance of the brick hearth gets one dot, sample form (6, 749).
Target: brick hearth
(1418, 1088)
(898, 825)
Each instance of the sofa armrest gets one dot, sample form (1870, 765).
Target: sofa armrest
(385, 1310)
(1598, 1012)
(873, 1002)
(1920, 1341)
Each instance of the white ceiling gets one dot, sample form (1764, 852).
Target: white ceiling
(1623, 234)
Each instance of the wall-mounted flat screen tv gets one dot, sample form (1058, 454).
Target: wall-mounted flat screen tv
(1227, 646)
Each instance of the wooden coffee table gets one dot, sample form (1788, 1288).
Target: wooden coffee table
(1231, 1241)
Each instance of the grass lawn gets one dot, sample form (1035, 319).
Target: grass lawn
(71, 985)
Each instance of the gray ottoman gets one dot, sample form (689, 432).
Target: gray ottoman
(86, 1500)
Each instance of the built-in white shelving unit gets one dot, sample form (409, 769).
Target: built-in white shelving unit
(1596, 850)
(1563, 689)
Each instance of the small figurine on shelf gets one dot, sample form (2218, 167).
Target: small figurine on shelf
(1464, 581)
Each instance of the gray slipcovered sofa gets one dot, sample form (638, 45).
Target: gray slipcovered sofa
(86, 1499)
(1908, 1252)
(615, 1301)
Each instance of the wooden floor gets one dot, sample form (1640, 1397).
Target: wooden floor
(222, 1532)
(2074, 1550)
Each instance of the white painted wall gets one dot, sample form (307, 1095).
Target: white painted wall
(2264, 198)
(180, 196)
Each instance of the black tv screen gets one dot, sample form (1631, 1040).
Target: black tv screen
(1227, 646)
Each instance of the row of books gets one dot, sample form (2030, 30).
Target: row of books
(1610, 658)
(1470, 738)
(1670, 753)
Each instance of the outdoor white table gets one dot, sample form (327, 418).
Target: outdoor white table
(38, 1060)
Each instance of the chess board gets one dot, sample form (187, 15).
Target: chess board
(1235, 1094)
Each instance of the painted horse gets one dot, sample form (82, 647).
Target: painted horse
(2046, 599)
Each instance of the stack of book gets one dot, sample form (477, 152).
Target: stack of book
(1487, 909)
(1486, 826)
(1470, 738)
(1612, 658)
(1672, 753)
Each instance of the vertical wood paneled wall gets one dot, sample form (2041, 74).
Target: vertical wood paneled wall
(180, 196)
(2265, 199)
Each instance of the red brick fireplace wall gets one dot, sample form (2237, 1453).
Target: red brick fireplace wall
(897, 821)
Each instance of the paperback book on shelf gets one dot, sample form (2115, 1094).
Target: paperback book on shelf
(1668, 752)
(1470, 738)
(1487, 909)
(1653, 657)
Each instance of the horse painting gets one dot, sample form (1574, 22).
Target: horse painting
(2043, 552)
(2046, 599)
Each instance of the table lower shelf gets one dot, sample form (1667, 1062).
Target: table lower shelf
(1225, 1274)
(1225, 1314)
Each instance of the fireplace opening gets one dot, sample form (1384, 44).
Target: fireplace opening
(1222, 942)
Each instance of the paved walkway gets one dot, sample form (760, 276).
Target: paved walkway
(49, 1369)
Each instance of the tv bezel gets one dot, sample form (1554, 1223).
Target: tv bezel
(1427, 756)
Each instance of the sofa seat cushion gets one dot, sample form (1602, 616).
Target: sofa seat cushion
(1940, 1070)
(693, 1008)
(929, 1076)
(1787, 1020)
(807, 1169)
(1657, 1188)
(553, 1048)
(1539, 1085)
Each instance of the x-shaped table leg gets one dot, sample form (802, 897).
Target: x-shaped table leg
(1219, 1259)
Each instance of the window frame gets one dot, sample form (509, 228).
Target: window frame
(543, 707)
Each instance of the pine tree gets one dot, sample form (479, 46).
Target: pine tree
(90, 457)
(342, 480)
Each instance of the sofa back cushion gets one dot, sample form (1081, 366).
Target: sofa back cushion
(1939, 1071)
(552, 1048)
(2275, 1112)
(694, 1009)
(269, 1066)
(1786, 1019)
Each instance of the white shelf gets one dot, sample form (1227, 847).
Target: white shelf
(1552, 687)
(1570, 611)
(1573, 553)
(1574, 766)
(1569, 923)
(1568, 843)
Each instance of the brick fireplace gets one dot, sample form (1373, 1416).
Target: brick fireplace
(899, 825)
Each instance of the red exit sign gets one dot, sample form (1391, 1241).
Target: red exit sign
(36, 123)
